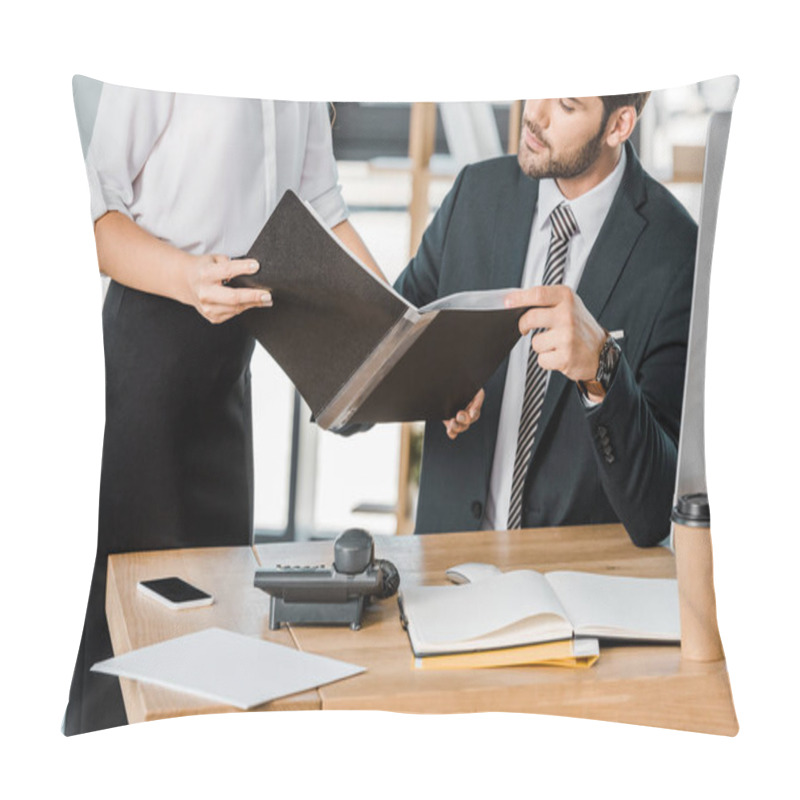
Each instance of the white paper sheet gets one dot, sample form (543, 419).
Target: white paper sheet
(228, 667)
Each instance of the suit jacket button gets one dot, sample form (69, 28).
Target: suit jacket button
(477, 509)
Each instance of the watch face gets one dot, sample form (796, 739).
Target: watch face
(609, 358)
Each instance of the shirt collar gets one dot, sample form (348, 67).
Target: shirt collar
(590, 209)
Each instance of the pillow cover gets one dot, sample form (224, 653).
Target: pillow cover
(180, 187)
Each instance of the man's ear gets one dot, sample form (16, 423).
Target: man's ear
(620, 125)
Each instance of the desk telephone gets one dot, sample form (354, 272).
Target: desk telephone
(329, 595)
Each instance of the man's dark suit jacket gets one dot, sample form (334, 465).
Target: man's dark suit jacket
(616, 461)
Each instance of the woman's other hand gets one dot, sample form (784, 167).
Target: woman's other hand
(462, 421)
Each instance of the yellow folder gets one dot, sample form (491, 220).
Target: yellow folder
(574, 653)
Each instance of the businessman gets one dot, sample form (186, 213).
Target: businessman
(580, 424)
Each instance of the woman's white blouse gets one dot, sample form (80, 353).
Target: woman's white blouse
(204, 173)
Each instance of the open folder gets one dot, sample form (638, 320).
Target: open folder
(356, 350)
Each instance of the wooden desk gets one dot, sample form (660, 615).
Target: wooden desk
(137, 621)
(645, 685)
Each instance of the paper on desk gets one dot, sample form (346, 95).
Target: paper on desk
(228, 667)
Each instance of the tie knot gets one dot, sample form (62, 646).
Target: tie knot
(563, 221)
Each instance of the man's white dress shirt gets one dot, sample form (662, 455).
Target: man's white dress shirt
(590, 211)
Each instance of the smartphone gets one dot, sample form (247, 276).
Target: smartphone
(175, 593)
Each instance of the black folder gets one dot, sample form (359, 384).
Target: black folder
(356, 350)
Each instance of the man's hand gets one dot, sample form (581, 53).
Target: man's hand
(464, 418)
(206, 277)
(569, 339)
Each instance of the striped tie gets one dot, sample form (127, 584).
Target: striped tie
(562, 227)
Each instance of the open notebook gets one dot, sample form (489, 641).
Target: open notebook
(525, 607)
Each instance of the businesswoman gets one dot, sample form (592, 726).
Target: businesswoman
(180, 185)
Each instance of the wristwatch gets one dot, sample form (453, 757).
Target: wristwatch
(609, 358)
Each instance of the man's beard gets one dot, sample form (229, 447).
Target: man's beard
(569, 166)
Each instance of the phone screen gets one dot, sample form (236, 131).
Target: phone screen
(175, 590)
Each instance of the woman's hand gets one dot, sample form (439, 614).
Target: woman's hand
(464, 418)
(133, 257)
(206, 277)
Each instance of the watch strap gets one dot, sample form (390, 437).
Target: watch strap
(592, 387)
(606, 368)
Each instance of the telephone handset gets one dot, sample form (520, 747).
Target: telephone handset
(329, 595)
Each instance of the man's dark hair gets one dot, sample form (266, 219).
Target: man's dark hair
(611, 102)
